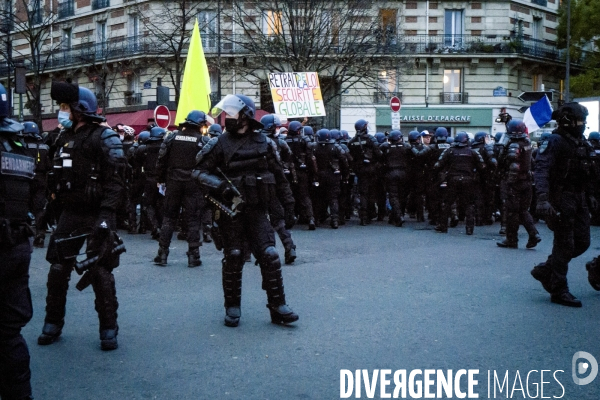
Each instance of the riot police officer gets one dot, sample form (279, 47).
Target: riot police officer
(43, 165)
(333, 168)
(459, 163)
(276, 212)
(417, 174)
(147, 156)
(176, 160)
(16, 177)
(564, 169)
(364, 151)
(242, 165)
(434, 191)
(90, 170)
(484, 188)
(396, 160)
(306, 169)
(515, 172)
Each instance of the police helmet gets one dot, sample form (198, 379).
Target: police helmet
(157, 133)
(87, 103)
(308, 131)
(461, 139)
(294, 128)
(335, 134)
(413, 136)
(594, 136)
(546, 135)
(143, 137)
(215, 130)
(516, 128)
(380, 137)
(7, 125)
(480, 137)
(497, 137)
(395, 136)
(270, 122)
(236, 104)
(450, 140)
(31, 129)
(323, 136)
(361, 126)
(569, 113)
(441, 134)
(195, 118)
(345, 134)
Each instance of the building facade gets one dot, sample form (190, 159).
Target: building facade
(457, 64)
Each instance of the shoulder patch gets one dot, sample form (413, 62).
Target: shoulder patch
(17, 165)
(543, 147)
(206, 149)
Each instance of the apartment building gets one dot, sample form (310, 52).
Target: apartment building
(452, 63)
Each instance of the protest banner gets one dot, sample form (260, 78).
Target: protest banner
(296, 94)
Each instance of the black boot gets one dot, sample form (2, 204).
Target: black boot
(39, 241)
(469, 230)
(56, 300)
(311, 224)
(50, 333)
(543, 274)
(194, 258)
(565, 298)
(281, 313)
(334, 223)
(533, 241)
(161, 257)
(508, 244)
(108, 339)
(593, 273)
(290, 255)
(232, 290)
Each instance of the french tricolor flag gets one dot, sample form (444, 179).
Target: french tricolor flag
(539, 114)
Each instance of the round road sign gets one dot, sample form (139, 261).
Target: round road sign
(395, 104)
(162, 116)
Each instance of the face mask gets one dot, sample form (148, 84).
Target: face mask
(63, 119)
(232, 125)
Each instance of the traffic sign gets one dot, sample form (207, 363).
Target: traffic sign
(162, 116)
(395, 120)
(395, 104)
(534, 96)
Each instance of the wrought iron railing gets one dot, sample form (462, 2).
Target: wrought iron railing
(454, 98)
(98, 4)
(133, 99)
(238, 45)
(381, 97)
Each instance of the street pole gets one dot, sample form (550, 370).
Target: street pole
(568, 72)
(219, 50)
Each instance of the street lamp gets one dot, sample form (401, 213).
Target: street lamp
(568, 60)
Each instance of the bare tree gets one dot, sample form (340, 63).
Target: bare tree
(29, 22)
(344, 41)
(171, 25)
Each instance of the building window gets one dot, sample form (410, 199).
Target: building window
(452, 86)
(271, 23)
(67, 35)
(66, 8)
(134, 32)
(101, 37)
(453, 28)
(36, 11)
(133, 95)
(98, 4)
(332, 21)
(387, 86)
(208, 29)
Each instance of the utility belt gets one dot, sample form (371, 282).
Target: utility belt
(13, 233)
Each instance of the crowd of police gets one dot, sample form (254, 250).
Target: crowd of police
(239, 186)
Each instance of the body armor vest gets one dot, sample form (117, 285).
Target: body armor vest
(518, 156)
(397, 156)
(299, 147)
(247, 166)
(41, 154)
(463, 163)
(17, 170)
(150, 157)
(361, 149)
(75, 163)
(184, 148)
(328, 157)
(580, 166)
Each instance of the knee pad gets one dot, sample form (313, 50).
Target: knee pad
(234, 260)
(271, 258)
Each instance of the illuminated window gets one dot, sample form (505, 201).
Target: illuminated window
(272, 23)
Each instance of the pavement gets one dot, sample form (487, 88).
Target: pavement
(369, 298)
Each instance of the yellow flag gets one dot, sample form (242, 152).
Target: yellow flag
(195, 89)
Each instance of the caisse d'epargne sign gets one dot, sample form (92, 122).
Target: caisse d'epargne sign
(296, 94)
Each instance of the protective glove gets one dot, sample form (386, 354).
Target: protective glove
(100, 240)
(290, 217)
(543, 207)
(226, 192)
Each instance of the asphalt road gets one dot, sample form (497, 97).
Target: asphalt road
(375, 297)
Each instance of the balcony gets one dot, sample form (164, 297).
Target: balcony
(133, 99)
(385, 97)
(454, 98)
(540, 2)
(98, 4)
(66, 9)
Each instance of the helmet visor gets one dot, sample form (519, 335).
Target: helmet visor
(230, 104)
